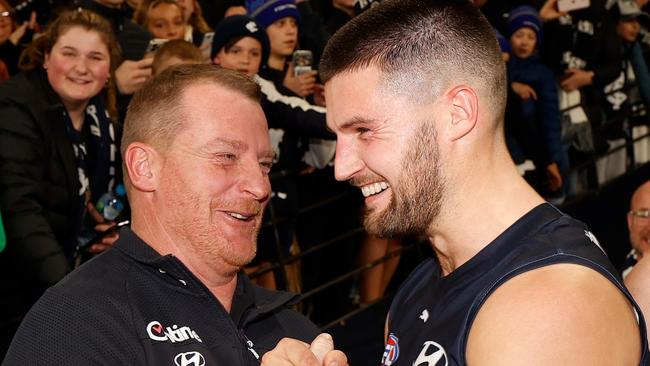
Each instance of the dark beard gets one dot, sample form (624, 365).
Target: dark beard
(417, 197)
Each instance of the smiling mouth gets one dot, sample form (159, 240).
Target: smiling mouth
(241, 216)
(79, 81)
(374, 188)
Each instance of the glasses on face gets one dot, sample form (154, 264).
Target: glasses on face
(643, 213)
(5, 17)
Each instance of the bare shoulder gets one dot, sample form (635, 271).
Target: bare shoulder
(560, 314)
(638, 282)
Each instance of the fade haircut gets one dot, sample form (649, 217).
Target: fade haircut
(157, 111)
(422, 47)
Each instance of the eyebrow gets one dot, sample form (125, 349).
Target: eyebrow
(236, 145)
(357, 121)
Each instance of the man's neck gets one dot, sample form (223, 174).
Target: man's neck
(221, 283)
(486, 204)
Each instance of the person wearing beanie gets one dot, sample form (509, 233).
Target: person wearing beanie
(240, 44)
(533, 129)
(280, 20)
(297, 130)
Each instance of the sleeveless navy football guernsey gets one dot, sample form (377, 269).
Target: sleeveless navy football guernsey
(431, 316)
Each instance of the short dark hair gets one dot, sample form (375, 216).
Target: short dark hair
(156, 112)
(422, 46)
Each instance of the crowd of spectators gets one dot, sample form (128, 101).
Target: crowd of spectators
(578, 80)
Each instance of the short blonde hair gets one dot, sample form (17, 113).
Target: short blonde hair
(156, 113)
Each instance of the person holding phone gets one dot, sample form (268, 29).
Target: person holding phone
(280, 20)
(58, 144)
(241, 44)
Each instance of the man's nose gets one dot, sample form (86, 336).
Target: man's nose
(347, 162)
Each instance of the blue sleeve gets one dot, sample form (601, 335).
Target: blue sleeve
(548, 111)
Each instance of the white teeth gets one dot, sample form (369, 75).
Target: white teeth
(238, 216)
(374, 188)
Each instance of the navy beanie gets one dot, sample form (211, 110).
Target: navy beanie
(525, 16)
(239, 26)
(266, 12)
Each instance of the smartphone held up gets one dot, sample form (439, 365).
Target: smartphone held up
(302, 62)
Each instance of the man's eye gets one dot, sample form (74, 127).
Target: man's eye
(266, 166)
(227, 157)
(362, 130)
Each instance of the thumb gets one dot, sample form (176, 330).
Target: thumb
(321, 346)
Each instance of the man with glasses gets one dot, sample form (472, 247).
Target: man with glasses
(638, 222)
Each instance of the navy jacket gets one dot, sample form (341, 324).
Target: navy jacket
(132, 306)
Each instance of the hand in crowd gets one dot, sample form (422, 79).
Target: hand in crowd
(321, 352)
(524, 91)
(549, 11)
(302, 85)
(107, 240)
(554, 177)
(20, 31)
(130, 75)
(576, 79)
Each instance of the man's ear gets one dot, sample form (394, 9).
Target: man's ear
(142, 164)
(464, 111)
(216, 60)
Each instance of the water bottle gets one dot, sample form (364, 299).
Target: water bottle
(111, 204)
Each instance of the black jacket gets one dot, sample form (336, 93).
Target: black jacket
(39, 190)
(38, 181)
(131, 306)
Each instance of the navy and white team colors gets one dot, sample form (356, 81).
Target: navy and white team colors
(132, 306)
(431, 316)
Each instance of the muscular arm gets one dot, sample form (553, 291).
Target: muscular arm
(562, 314)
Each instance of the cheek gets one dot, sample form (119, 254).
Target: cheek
(57, 69)
(101, 71)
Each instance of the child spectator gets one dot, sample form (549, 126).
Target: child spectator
(175, 52)
(535, 132)
(280, 20)
(163, 18)
(241, 44)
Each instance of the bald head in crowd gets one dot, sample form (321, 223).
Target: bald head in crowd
(638, 219)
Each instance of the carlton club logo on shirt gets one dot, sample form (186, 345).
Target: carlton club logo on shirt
(174, 334)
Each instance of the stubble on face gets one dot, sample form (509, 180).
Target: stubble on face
(417, 195)
(198, 221)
